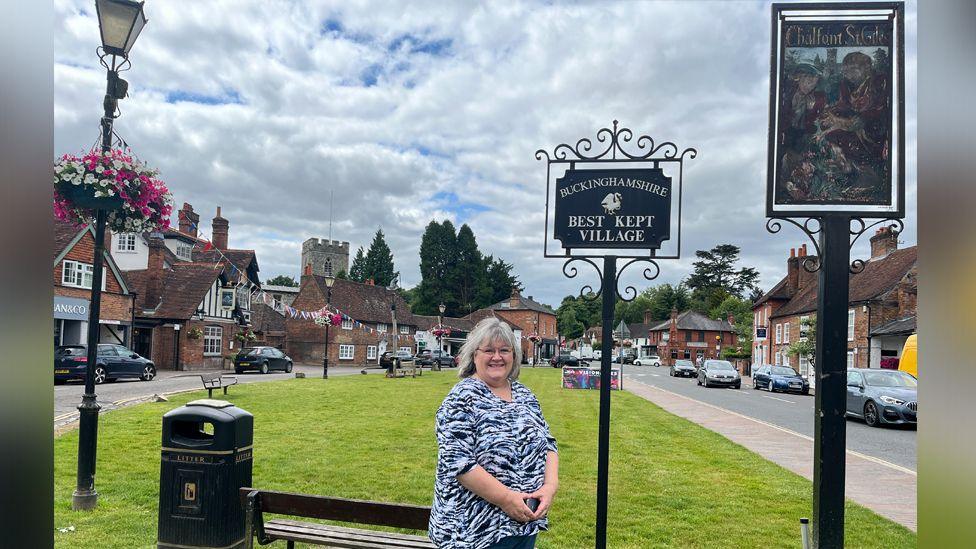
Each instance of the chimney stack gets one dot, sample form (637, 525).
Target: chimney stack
(883, 243)
(515, 300)
(805, 279)
(793, 272)
(647, 317)
(154, 278)
(220, 226)
(189, 220)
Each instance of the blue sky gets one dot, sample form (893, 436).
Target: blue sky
(435, 111)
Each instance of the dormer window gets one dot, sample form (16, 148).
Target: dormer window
(184, 251)
(125, 242)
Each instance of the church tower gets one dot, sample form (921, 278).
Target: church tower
(327, 257)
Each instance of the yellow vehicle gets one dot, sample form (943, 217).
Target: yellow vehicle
(909, 356)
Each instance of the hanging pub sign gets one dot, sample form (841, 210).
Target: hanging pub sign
(227, 299)
(837, 109)
(618, 208)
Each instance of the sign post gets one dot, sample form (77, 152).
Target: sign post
(612, 203)
(836, 156)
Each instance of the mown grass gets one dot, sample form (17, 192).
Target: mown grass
(672, 483)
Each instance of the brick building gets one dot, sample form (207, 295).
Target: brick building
(530, 317)
(691, 336)
(362, 337)
(881, 314)
(74, 249)
(191, 312)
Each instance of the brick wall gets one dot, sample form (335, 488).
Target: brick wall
(523, 319)
(114, 304)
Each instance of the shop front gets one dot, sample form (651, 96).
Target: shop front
(71, 324)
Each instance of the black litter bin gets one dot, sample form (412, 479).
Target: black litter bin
(206, 459)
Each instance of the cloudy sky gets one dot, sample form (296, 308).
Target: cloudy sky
(433, 111)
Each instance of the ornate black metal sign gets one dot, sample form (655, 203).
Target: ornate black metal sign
(628, 208)
(836, 139)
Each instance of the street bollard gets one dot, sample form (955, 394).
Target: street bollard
(805, 532)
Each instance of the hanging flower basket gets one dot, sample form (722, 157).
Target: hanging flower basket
(245, 337)
(535, 338)
(194, 333)
(438, 332)
(628, 343)
(114, 181)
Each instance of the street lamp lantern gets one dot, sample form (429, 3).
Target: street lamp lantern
(440, 327)
(329, 281)
(442, 308)
(120, 22)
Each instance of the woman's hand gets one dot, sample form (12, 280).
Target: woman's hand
(514, 506)
(545, 496)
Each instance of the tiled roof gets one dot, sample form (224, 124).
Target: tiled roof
(640, 329)
(265, 319)
(780, 291)
(184, 287)
(878, 277)
(524, 303)
(901, 326)
(242, 259)
(177, 234)
(693, 320)
(64, 233)
(366, 302)
(281, 289)
(425, 322)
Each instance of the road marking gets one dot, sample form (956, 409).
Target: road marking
(62, 416)
(656, 375)
(780, 399)
(785, 430)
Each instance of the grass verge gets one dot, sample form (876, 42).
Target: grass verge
(672, 483)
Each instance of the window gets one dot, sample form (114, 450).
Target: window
(804, 366)
(850, 359)
(779, 359)
(406, 350)
(786, 359)
(850, 325)
(371, 352)
(674, 353)
(79, 275)
(346, 352)
(779, 335)
(687, 335)
(184, 251)
(701, 336)
(347, 324)
(786, 332)
(125, 243)
(212, 340)
(804, 328)
(687, 354)
(404, 329)
(328, 267)
(381, 328)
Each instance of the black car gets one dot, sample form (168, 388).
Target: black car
(428, 357)
(563, 359)
(780, 378)
(112, 362)
(262, 359)
(404, 358)
(626, 358)
(683, 368)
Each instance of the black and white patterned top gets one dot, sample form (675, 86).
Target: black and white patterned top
(508, 439)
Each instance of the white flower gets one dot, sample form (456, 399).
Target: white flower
(110, 192)
(89, 179)
(99, 168)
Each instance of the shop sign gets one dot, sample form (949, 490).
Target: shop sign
(71, 308)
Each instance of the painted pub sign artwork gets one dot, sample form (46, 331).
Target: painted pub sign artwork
(837, 102)
(615, 208)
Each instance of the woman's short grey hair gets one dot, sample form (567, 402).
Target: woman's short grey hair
(486, 332)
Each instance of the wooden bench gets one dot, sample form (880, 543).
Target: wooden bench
(217, 381)
(398, 515)
(404, 371)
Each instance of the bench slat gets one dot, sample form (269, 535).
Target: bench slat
(351, 537)
(397, 515)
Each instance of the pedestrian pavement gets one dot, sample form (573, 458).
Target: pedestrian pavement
(887, 489)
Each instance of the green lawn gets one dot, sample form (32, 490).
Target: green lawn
(672, 483)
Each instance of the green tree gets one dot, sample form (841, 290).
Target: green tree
(569, 326)
(499, 280)
(468, 273)
(667, 297)
(282, 280)
(715, 270)
(378, 264)
(806, 347)
(342, 275)
(358, 270)
(437, 259)
(740, 309)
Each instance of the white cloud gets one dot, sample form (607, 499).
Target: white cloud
(461, 98)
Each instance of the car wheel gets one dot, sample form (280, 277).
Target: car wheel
(871, 414)
(148, 372)
(806, 391)
(59, 382)
(238, 371)
(738, 385)
(100, 375)
(770, 387)
(288, 368)
(705, 383)
(264, 367)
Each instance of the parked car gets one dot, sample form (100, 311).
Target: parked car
(882, 396)
(564, 359)
(428, 357)
(388, 358)
(779, 378)
(682, 368)
(652, 360)
(112, 362)
(626, 358)
(262, 359)
(719, 373)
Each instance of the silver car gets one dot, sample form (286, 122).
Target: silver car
(882, 396)
(719, 373)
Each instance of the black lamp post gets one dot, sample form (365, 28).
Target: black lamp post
(120, 22)
(329, 281)
(440, 326)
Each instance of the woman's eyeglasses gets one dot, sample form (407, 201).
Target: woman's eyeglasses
(505, 351)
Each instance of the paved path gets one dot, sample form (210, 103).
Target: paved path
(885, 488)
